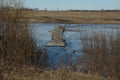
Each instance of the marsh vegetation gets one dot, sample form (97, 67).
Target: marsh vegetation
(21, 59)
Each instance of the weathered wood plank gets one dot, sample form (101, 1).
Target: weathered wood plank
(57, 37)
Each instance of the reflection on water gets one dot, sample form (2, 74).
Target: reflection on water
(72, 38)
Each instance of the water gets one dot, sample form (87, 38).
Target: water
(72, 38)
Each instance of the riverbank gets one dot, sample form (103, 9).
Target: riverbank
(76, 17)
(27, 72)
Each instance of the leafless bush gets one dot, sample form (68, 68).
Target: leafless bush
(16, 42)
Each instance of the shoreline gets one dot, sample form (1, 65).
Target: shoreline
(71, 23)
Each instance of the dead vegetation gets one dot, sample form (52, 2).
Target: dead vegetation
(18, 51)
(16, 41)
(102, 54)
(33, 73)
(95, 17)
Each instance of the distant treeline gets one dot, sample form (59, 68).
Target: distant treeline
(94, 10)
(37, 9)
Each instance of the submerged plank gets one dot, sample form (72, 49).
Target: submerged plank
(54, 43)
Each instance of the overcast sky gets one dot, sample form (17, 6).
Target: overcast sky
(73, 4)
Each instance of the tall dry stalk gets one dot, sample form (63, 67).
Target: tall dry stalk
(102, 54)
(16, 42)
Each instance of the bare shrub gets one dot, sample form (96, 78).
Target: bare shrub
(16, 42)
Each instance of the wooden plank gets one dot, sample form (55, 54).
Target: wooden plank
(57, 37)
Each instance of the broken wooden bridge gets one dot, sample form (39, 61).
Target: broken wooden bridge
(57, 38)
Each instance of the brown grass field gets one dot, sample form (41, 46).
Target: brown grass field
(80, 17)
(32, 73)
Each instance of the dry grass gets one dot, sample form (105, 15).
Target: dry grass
(74, 17)
(17, 46)
(16, 41)
(32, 73)
(102, 54)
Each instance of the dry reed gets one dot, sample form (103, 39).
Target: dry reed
(16, 42)
(102, 54)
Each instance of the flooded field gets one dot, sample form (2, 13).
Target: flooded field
(73, 34)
